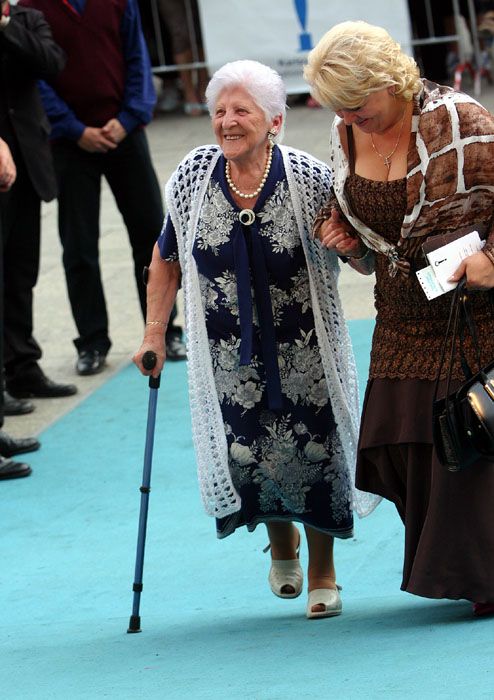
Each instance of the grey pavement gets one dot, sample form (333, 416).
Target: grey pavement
(171, 136)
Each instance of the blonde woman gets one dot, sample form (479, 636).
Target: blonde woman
(411, 159)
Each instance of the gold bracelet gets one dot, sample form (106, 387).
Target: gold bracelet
(362, 257)
(156, 323)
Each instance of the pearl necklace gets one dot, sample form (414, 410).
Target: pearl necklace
(261, 184)
(387, 159)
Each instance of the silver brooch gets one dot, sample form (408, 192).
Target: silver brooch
(246, 217)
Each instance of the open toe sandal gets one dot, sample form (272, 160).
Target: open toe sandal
(286, 577)
(329, 598)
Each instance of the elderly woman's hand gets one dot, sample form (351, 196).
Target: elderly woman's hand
(336, 234)
(478, 270)
(153, 342)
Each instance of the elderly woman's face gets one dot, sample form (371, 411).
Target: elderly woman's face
(379, 111)
(240, 125)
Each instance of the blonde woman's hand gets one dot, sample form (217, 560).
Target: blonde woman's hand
(478, 270)
(338, 235)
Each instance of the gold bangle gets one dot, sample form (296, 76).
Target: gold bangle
(361, 257)
(156, 323)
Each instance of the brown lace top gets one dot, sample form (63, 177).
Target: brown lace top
(409, 328)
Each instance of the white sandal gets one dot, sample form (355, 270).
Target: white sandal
(286, 572)
(329, 597)
(283, 573)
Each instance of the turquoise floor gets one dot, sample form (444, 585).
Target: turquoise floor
(211, 627)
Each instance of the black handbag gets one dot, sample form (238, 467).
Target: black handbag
(463, 421)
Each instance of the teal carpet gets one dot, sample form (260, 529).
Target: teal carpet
(211, 627)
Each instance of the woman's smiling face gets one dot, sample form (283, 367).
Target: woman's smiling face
(240, 125)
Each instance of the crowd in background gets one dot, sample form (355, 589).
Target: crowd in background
(174, 35)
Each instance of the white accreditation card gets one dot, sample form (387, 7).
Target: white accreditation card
(429, 283)
(444, 261)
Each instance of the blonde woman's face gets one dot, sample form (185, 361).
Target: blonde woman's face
(378, 113)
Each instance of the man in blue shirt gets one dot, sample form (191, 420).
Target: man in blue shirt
(97, 107)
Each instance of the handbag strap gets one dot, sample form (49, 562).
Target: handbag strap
(460, 318)
(451, 330)
(470, 322)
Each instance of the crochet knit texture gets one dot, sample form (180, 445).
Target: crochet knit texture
(309, 183)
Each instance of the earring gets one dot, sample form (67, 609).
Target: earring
(271, 135)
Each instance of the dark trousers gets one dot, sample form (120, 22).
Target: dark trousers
(20, 211)
(133, 182)
(2, 195)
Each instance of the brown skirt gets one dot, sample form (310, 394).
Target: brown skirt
(448, 517)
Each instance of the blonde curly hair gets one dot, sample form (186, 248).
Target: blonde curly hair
(355, 59)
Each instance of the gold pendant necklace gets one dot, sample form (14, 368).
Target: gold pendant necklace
(261, 184)
(388, 159)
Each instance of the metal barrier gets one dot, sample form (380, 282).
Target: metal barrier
(464, 64)
(158, 22)
(475, 70)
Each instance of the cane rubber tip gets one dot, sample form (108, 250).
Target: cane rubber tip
(134, 624)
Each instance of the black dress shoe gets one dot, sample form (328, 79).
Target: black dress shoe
(16, 407)
(38, 386)
(90, 362)
(13, 470)
(175, 348)
(10, 446)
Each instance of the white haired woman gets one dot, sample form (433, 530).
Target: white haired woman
(271, 373)
(412, 159)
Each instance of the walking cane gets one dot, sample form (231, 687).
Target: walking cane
(148, 362)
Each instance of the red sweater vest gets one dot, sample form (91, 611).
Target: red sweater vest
(93, 80)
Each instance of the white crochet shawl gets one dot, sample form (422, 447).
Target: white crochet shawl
(309, 182)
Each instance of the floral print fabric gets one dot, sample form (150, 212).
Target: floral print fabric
(282, 462)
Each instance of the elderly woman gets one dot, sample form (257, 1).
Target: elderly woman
(411, 159)
(271, 373)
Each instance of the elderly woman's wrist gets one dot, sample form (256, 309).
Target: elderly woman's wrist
(155, 328)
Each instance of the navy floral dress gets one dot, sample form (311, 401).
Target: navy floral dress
(282, 443)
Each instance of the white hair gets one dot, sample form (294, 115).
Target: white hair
(264, 85)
